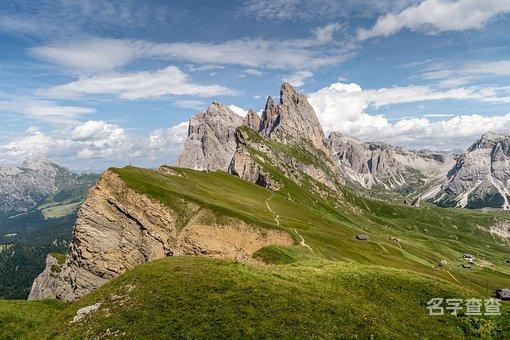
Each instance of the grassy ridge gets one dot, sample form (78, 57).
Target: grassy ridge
(205, 298)
(341, 287)
(428, 234)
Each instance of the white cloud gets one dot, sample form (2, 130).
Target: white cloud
(466, 73)
(170, 80)
(99, 55)
(253, 72)
(342, 107)
(93, 139)
(309, 10)
(325, 34)
(96, 143)
(163, 138)
(94, 56)
(238, 110)
(299, 78)
(43, 110)
(438, 16)
(190, 104)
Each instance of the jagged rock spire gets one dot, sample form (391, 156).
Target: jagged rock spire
(293, 120)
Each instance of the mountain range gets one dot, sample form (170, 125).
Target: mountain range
(477, 178)
(265, 229)
(38, 204)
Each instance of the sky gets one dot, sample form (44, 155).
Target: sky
(92, 84)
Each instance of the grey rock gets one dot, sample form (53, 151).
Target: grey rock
(82, 312)
(23, 188)
(210, 143)
(252, 120)
(480, 177)
(384, 166)
(293, 120)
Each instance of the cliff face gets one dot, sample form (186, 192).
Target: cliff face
(211, 142)
(293, 120)
(118, 229)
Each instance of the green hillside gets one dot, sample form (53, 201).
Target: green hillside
(328, 284)
(204, 298)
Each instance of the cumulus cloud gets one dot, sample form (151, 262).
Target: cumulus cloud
(147, 84)
(298, 79)
(173, 137)
(97, 143)
(438, 16)
(342, 107)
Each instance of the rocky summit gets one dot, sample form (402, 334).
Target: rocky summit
(480, 177)
(384, 166)
(211, 142)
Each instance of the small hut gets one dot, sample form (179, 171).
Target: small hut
(362, 237)
(503, 293)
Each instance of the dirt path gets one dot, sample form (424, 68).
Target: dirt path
(302, 242)
(276, 216)
(453, 277)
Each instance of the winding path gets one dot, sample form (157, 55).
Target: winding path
(277, 217)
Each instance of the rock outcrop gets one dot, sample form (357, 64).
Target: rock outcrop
(480, 177)
(252, 120)
(384, 166)
(118, 229)
(211, 142)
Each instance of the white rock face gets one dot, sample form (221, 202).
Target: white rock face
(380, 165)
(481, 176)
(211, 142)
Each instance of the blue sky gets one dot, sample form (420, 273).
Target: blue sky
(93, 84)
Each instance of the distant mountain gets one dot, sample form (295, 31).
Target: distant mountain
(477, 178)
(384, 166)
(480, 177)
(38, 204)
(39, 181)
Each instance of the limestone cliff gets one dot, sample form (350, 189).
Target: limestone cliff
(118, 228)
(211, 142)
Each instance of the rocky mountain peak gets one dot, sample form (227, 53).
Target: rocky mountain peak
(268, 116)
(293, 120)
(211, 139)
(489, 139)
(37, 162)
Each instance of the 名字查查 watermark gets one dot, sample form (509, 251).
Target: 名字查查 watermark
(473, 306)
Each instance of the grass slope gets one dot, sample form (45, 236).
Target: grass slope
(205, 298)
(428, 234)
(333, 286)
